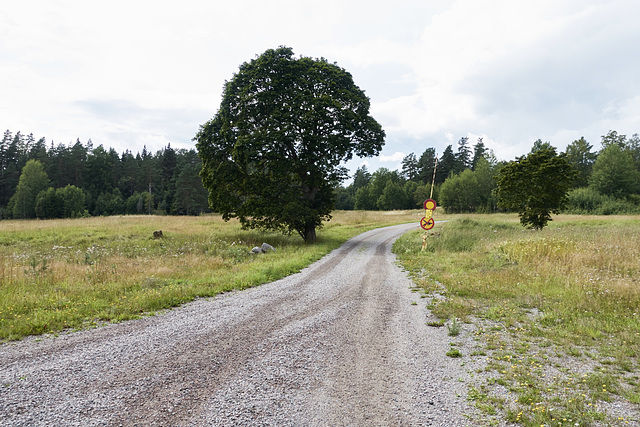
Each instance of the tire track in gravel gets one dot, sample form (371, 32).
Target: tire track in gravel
(336, 344)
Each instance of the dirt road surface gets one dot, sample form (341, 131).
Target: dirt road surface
(338, 344)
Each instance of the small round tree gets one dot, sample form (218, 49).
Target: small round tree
(535, 186)
(272, 154)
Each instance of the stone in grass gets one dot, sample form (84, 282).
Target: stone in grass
(267, 247)
(263, 249)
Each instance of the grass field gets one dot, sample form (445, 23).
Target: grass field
(555, 313)
(75, 273)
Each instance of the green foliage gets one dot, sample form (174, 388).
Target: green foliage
(581, 159)
(615, 173)
(410, 167)
(109, 204)
(539, 145)
(454, 353)
(470, 191)
(392, 196)
(426, 164)
(465, 161)
(33, 180)
(447, 165)
(363, 200)
(48, 204)
(454, 328)
(459, 192)
(588, 201)
(190, 196)
(105, 178)
(479, 152)
(535, 186)
(73, 200)
(272, 153)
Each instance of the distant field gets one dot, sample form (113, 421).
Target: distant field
(74, 273)
(556, 313)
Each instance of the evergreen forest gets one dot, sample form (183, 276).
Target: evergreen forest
(65, 181)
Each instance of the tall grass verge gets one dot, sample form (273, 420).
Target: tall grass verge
(75, 273)
(556, 312)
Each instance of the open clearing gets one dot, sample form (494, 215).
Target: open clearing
(340, 343)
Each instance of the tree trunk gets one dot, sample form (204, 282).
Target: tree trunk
(309, 233)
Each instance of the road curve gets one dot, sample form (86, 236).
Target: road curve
(338, 344)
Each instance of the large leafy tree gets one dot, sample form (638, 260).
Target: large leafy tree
(271, 155)
(470, 191)
(459, 192)
(33, 180)
(614, 173)
(535, 186)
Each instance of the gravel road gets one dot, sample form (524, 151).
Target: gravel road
(338, 344)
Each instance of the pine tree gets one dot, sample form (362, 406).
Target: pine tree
(410, 167)
(478, 153)
(463, 156)
(426, 164)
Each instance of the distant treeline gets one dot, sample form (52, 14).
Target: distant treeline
(55, 181)
(607, 181)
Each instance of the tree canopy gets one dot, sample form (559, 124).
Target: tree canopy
(33, 180)
(535, 185)
(614, 173)
(272, 153)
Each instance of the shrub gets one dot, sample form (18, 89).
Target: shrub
(589, 201)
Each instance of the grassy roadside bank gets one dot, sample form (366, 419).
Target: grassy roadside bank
(61, 274)
(555, 314)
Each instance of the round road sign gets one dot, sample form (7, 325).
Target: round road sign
(427, 223)
(430, 204)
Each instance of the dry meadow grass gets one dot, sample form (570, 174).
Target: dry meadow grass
(70, 273)
(556, 313)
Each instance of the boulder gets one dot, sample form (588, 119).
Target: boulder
(267, 247)
(263, 249)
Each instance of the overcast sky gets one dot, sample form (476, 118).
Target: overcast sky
(133, 73)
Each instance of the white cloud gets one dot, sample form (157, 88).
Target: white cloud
(395, 157)
(435, 71)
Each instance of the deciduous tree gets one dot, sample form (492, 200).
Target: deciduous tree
(272, 153)
(535, 186)
(33, 180)
(614, 173)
